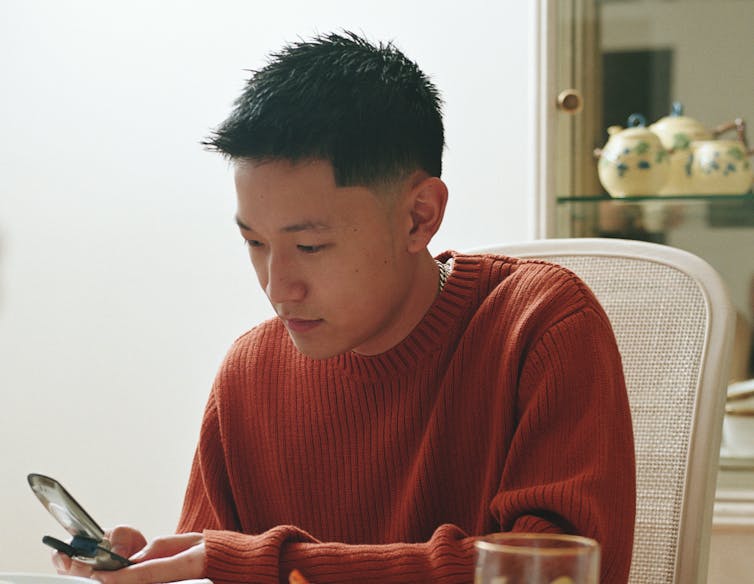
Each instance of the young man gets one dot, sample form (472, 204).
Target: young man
(399, 406)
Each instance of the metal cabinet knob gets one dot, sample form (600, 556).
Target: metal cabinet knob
(570, 101)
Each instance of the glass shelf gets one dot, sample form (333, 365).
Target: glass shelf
(651, 217)
(633, 199)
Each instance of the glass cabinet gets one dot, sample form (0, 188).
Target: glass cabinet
(610, 59)
(606, 60)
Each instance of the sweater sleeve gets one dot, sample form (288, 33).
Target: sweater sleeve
(269, 557)
(208, 502)
(570, 467)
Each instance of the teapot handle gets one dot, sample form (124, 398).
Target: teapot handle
(739, 125)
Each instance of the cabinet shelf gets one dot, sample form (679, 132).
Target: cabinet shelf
(637, 198)
(651, 217)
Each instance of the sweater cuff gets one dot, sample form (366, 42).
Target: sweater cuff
(245, 559)
(535, 524)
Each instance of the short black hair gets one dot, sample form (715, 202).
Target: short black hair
(366, 108)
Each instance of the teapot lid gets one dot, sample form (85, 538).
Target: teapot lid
(676, 109)
(677, 130)
(636, 127)
(637, 121)
(676, 119)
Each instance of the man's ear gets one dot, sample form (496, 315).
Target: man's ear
(426, 204)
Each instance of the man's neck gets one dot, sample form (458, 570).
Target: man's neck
(426, 277)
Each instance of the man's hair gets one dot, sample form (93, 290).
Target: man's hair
(365, 108)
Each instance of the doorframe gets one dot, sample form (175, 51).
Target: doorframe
(542, 87)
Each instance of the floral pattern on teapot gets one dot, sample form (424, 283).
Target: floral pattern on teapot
(622, 160)
(735, 154)
(721, 166)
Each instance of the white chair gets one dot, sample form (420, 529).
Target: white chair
(674, 325)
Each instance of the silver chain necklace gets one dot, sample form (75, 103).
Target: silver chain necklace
(444, 270)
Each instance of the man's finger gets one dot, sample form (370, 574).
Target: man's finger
(163, 547)
(61, 562)
(125, 540)
(80, 569)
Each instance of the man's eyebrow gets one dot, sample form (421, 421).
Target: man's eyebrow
(305, 226)
(294, 228)
(241, 224)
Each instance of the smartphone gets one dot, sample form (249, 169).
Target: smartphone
(89, 544)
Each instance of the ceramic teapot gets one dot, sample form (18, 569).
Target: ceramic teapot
(633, 161)
(677, 132)
(721, 167)
(699, 162)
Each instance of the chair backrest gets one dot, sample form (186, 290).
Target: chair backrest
(674, 325)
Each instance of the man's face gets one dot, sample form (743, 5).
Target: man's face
(332, 260)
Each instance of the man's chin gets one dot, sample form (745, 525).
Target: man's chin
(315, 350)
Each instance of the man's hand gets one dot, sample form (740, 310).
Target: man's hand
(124, 541)
(164, 559)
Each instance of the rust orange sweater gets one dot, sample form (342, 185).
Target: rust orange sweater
(505, 409)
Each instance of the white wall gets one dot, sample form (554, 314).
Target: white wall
(122, 279)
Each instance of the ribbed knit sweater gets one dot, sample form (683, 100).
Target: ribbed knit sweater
(504, 409)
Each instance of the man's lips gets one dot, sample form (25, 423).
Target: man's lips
(301, 325)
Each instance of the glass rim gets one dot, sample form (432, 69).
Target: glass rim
(504, 542)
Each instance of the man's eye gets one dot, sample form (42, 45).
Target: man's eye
(252, 243)
(311, 248)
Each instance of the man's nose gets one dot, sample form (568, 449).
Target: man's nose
(284, 282)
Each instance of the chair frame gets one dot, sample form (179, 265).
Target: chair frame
(692, 552)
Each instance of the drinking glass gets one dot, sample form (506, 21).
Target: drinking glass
(536, 558)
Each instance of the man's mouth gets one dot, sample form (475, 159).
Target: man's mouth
(301, 325)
